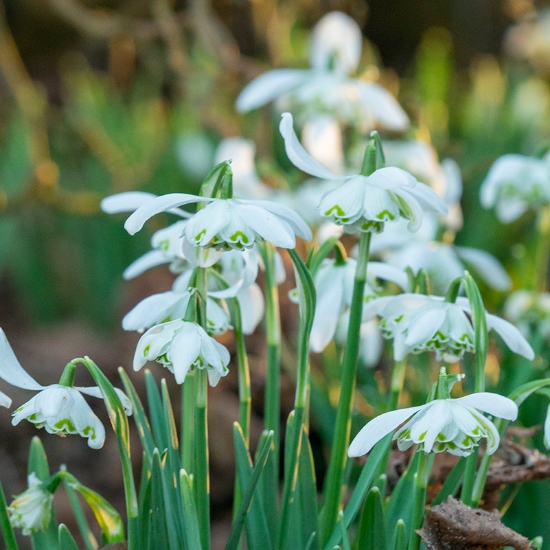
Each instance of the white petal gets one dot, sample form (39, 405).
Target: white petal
(424, 325)
(207, 222)
(336, 39)
(491, 403)
(391, 177)
(511, 335)
(379, 205)
(198, 256)
(155, 309)
(11, 370)
(159, 204)
(298, 155)
(547, 429)
(269, 86)
(382, 105)
(268, 226)
(486, 266)
(438, 417)
(125, 202)
(87, 424)
(493, 437)
(388, 273)
(429, 200)
(251, 302)
(298, 225)
(94, 391)
(345, 203)
(5, 401)
(147, 261)
(377, 428)
(184, 351)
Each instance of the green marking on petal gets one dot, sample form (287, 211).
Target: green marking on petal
(422, 436)
(385, 215)
(198, 236)
(65, 425)
(239, 236)
(164, 245)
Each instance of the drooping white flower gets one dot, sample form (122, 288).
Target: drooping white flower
(227, 223)
(364, 203)
(515, 184)
(529, 311)
(59, 409)
(182, 347)
(32, 509)
(334, 283)
(334, 54)
(452, 425)
(442, 261)
(418, 323)
(62, 410)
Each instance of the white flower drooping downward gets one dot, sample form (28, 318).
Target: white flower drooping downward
(335, 53)
(452, 425)
(57, 408)
(418, 323)
(364, 203)
(32, 509)
(182, 346)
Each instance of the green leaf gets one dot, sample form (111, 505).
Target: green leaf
(158, 534)
(452, 483)
(257, 528)
(372, 529)
(190, 518)
(519, 395)
(362, 486)
(248, 493)
(139, 416)
(106, 516)
(5, 523)
(219, 179)
(156, 413)
(400, 536)
(66, 540)
(83, 526)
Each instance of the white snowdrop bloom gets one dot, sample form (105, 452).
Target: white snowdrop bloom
(59, 409)
(32, 509)
(182, 347)
(228, 223)
(334, 54)
(442, 261)
(62, 410)
(246, 182)
(334, 283)
(322, 139)
(418, 323)
(515, 184)
(529, 311)
(452, 425)
(239, 270)
(371, 342)
(364, 203)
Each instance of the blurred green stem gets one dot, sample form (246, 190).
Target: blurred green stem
(333, 485)
(421, 477)
(542, 251)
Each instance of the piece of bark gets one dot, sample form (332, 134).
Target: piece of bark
(454, 526)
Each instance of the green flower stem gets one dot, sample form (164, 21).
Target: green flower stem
(273, 330)
(397, 381)
(469, 477)
(542, 251)
(187, 422)
(245, 398)
(333, 486)
(479, 484)
(421, 477)
(67, 376)
(201, 476)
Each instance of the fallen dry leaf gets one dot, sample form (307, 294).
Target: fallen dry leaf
(454, 526)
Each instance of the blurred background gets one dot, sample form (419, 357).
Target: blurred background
(99, 97)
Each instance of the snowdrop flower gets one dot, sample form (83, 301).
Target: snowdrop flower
(452, 425)
(57, 408)
(442, 261)
(334, 288)
(227, 223)
(418, 323)
(62, 410)
(335, 54)
(182, 347)
(515, 184)
(529, 311)
(32, 510)
(364, 203)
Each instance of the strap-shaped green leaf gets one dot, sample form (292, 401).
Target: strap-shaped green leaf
(190, 518)
(5, 524)
(372, 528)
(65, 539)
